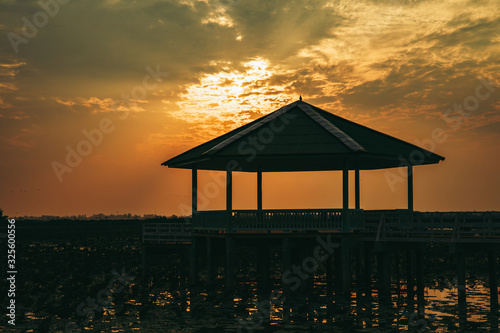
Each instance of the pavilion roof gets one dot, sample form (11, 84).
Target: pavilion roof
(302, 137)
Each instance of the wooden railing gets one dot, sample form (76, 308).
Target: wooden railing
(277, 219)
(379, 225)
(402, 225)
(164, 233)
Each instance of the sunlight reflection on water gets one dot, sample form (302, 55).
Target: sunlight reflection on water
(213, 311)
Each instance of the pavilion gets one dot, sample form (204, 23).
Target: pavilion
(296, 137)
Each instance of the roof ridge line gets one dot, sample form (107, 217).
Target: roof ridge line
(331, 128)
(262, 122)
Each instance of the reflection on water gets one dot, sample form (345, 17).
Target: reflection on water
(55, 282)
(177, 308)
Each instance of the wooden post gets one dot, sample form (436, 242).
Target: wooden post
(345, 197)
(384, 268)
(342, 263)
(420, 278)
(193, 260)
(194, 192)
(266, 269)
(259, 191)
(492, 261)
(210, 261)
(410, 278)
(229, 199)
(329, 275)
(356, 189)
(287, 260)
(144, 260)
(337, 263)
(358, 268)
(462, 297)
(367, 259)
(410, 187)
(229, 263)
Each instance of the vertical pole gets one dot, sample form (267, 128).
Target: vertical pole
(210, 261)
(229, 263)
(356, 189)
(345, 197)
(410, 278)
(384, 266)
(287, 260)
(410, 187)
(259, 191)
(367, 258)
(193, 260)
(337, 263)
(144, 260)
(492, 261)
(329, 275)
(358, 268)
(194, 192)
(420, 279)
(266, 269)
(229, 199)
(346, 273)
(462, 298)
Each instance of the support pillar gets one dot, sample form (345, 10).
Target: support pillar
(410, 278)
(420, 279)
(346, 271)
(410, 187)
(492, 262)
(259, 191)
(337, 264)
(345, 197)
(144, 260)
(357, 198)
(194, 192)
(287, 261)
(462, 297)
(210, 261)
(384, 269)
(367, 258)
(229, 199)
(266, 269)
(193, 262)
(230, 283)
(329, 275)
(342, 264)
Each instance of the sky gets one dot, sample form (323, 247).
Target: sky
(96, 94)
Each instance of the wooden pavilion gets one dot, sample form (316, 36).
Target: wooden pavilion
(296, 137)
(302, 137)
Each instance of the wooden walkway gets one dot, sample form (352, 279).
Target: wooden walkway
(379, 225)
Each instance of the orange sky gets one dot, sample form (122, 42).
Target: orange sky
(160, 77)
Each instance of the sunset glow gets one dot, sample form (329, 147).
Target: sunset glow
(170, 75)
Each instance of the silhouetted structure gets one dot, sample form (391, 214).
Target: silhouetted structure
(302, 137)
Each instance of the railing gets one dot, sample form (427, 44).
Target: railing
(378, 225)
(211, 220)
(277, 219)
(403, 225)
(164, 233)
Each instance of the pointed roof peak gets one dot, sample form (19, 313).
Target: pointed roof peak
(298, 137)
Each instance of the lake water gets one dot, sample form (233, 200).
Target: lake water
(60, 275)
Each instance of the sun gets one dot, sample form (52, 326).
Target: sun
(231, 97)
